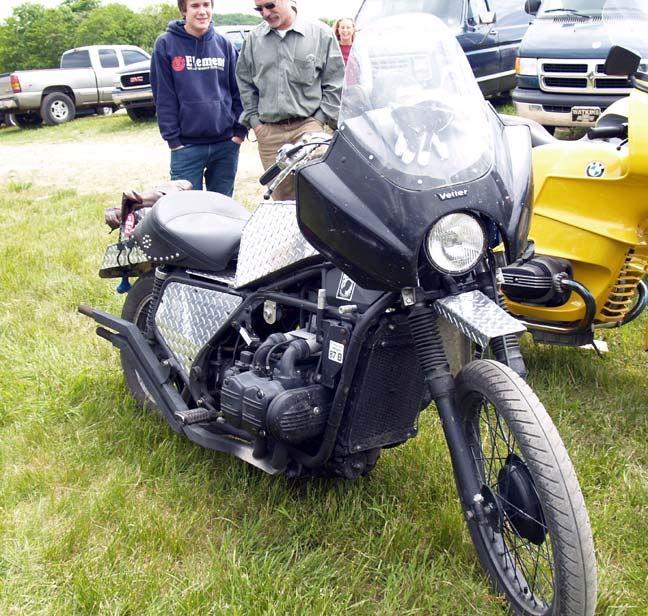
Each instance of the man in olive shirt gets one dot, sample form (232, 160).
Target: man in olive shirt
(289, 74)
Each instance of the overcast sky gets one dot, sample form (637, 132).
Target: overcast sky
(313, 8)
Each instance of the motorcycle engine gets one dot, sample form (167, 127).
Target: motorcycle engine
(271, 392)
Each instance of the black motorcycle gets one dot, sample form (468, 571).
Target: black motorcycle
(308, 336)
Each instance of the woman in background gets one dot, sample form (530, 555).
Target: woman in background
(345, 32)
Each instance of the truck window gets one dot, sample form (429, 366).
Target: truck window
(475, 9)
(131, 56)
(108, 58)
(505, 6)
(76, 59)
(449, 12)
(236, 38)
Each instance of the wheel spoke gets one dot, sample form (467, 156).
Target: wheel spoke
(517, 550)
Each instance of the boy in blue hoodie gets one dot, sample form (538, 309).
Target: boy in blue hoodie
(197, 99)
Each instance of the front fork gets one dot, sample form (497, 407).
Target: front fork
(438, 378)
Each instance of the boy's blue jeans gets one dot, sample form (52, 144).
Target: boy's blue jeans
(216, 161)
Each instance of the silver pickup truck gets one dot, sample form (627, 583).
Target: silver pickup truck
(83, 83)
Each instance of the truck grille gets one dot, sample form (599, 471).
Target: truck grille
(135, 80)
(579, 76)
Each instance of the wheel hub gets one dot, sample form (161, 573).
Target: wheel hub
(59, 110)
(519, 500)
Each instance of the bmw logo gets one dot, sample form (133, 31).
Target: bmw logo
(595, 169)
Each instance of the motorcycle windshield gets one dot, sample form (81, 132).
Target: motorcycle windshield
(626, 24)
(412, 107)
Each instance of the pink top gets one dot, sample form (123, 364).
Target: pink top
(345, 52)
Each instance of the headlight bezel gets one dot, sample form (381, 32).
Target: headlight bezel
(479, 247)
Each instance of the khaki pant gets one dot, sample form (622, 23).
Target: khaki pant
(271, 137)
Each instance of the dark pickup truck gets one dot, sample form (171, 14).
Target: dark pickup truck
(560, 78)
(489, 32)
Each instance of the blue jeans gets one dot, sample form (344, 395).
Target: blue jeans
(216, 161)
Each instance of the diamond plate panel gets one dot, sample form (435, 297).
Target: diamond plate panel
(477, 316)
(188, 317)
(271, 240)
(121, 255)
(226, 277)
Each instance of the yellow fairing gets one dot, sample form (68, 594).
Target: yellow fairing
(600, 224)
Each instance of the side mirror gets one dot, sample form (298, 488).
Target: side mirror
(487, 17)
(621, 61)
(532, 6)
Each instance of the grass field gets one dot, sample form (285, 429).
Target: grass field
(104, 511)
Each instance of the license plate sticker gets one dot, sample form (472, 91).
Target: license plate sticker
(585, 114)
(336, 352)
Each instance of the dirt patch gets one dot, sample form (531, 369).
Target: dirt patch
(110, 164)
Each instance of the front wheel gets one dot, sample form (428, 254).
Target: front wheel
(534, 538)
(140, 114)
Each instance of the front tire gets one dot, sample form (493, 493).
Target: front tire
(535, 540)
(106, 110)
(57, 108)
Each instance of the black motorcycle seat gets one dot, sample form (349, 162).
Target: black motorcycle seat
(539, 134)
(194, 228)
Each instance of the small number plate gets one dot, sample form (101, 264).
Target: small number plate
(585, 114)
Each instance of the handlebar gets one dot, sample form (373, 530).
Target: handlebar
(270, 174)
(291, 157)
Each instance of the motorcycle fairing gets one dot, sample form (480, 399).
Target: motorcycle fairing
(271, 242)
(373, 230)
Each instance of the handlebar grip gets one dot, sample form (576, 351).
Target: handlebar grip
(270, 174)
(608, 132)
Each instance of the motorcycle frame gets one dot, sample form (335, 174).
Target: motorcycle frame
(157, 374)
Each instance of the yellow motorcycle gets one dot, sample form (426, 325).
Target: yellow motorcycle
(590, 223)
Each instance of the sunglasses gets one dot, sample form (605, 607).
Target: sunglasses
(269, 6)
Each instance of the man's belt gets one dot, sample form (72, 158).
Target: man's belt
(289, 121)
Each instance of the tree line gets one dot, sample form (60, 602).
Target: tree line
(35, 36)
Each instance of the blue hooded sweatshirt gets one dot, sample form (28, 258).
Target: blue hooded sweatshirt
(194, 86)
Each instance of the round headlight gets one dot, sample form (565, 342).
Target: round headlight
(455, 243)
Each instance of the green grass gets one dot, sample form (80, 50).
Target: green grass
(73, 131)
(104, 511)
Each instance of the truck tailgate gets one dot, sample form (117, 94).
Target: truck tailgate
(5, 85)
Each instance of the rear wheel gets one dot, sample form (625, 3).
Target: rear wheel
(535, 540)
(24, 120)
(135, 310)
(57, 108)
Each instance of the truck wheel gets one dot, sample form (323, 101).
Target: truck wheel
(57, 108)
(24, 119)
(140, 114)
